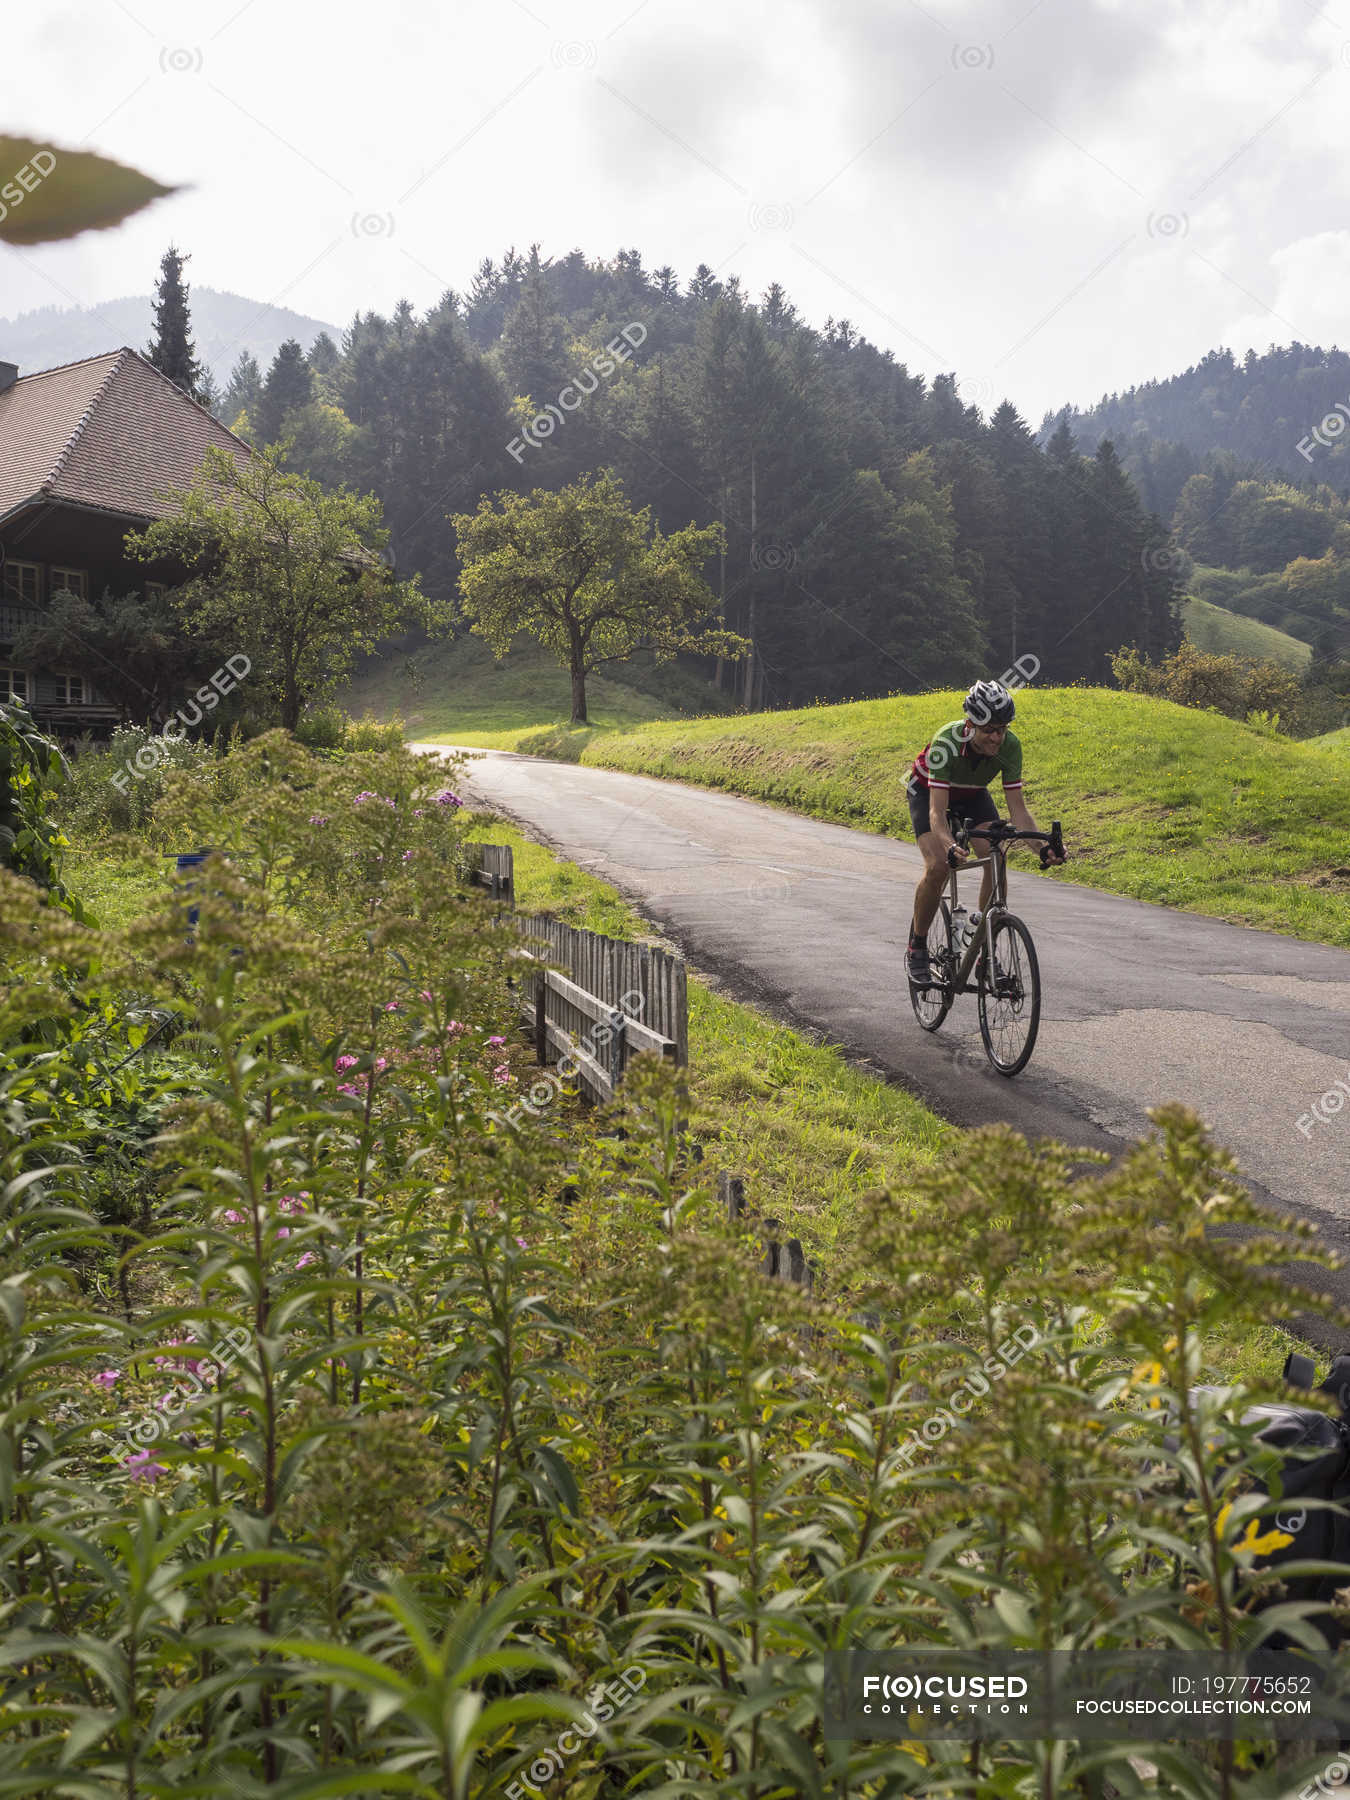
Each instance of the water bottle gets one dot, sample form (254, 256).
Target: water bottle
(972, 930)
(960, 925)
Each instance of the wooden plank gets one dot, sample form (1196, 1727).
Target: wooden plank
(601, 1012)
(591, 1070)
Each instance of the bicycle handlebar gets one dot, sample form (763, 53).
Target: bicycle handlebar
(1052, 841)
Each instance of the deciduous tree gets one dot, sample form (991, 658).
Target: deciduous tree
(589, 578)
(284, 571)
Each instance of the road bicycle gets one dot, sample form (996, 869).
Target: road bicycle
(996, 950)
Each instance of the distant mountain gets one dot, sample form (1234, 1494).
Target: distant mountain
(223, 326)
(1285, 411)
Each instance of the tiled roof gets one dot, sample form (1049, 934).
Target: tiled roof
(106, 432)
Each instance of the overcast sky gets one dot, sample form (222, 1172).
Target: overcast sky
(1054, 198)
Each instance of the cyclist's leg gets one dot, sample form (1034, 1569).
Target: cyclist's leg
(928, 889)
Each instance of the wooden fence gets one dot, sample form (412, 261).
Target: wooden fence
(596, 1001)
(783, 1261)
(615, 1000)
(492, 865)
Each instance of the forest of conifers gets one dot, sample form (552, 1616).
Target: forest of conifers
(881, 534)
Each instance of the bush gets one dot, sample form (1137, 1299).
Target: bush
(117, 789)
(324, 728)
(370, 733)
(1235, 686)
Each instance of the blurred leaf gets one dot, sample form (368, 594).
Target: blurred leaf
(47, 194)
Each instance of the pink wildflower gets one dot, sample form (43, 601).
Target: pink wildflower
(407, 856)
(502, 1074)
(522, 1243)
(350, 1089)
(107, 1378)
(318, 818)
(391, 1005)
(141, 1467)
(235, 1217)
(365, 794)
(343, 1063)
(427, 995)
(293, 1203)
(446, 798)
(496, 1040)
(307, 1258)
(455, 1029)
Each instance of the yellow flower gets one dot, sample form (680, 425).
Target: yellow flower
(1260, 1543)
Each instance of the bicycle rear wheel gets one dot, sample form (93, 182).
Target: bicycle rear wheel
(1010, 997)
(932, 1004)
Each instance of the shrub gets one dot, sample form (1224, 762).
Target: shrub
(370, 733)
(31, 770)
(117, 789)
(1232, 685)
(324, 728)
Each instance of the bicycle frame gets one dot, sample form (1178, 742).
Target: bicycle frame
(998, 903)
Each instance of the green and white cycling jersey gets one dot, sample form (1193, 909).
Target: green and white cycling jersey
(950, 762)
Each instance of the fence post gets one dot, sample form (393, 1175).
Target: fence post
(541, 1018)
(618, 1047)
(732, 1189)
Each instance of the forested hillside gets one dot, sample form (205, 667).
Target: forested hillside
(1282, 412)
(881, 535)
(1247, 462)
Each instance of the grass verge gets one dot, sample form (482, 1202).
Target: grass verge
(1159, 802)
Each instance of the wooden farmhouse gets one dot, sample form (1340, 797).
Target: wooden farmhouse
(85, 452)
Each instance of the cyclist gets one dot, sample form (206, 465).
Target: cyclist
(950, 780)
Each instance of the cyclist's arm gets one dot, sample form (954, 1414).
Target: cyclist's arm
(937, 818)
(1019, 814)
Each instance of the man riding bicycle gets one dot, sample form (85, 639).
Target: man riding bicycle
(950, 781)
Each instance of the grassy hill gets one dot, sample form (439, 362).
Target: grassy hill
(1159, 802)
(455, 692)
(1215, 629)
(1339, 741)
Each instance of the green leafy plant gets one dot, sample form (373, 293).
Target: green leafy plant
(31, 769)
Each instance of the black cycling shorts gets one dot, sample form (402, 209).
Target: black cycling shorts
(976, 809)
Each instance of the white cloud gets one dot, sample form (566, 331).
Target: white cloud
(959, 226)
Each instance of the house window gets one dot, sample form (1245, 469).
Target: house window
(23, 583)
(13, 684)
(69, 690)
(74, 581)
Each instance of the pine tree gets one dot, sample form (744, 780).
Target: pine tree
(289, 385)
(171, 349)
(242, 390)
(534, 341)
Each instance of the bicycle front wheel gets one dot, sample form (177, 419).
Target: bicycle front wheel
(932, 1004)
(1010, 997)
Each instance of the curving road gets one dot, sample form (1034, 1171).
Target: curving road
(1140, 1004)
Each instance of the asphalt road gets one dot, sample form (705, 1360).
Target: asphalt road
(1140, 1004)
